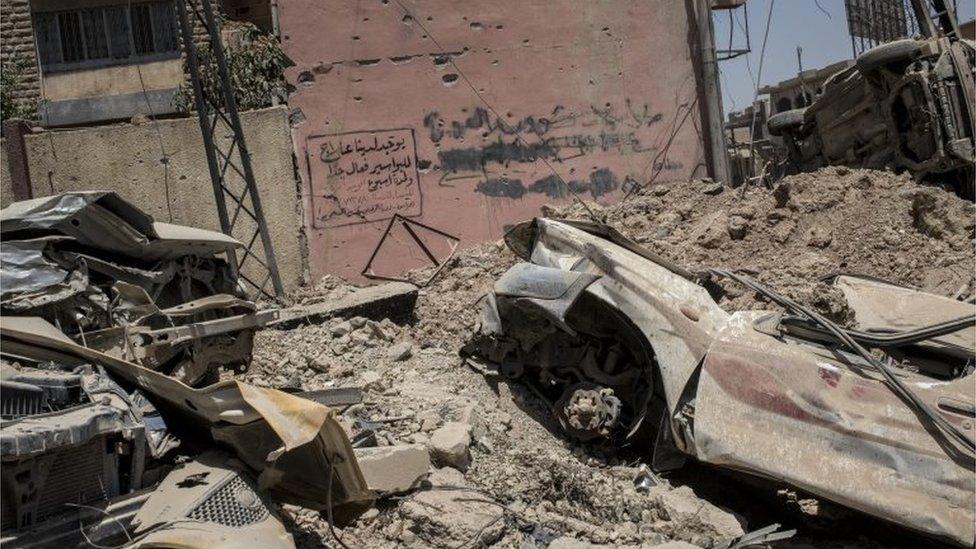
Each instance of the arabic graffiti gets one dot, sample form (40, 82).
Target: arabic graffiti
(497, 151)
(601, 181)
(487, 124)
(360, 177)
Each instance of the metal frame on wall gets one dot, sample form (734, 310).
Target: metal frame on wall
(873, 22)
(219, 114)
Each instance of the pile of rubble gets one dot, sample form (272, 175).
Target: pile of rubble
(498, 475)
(501, 472)
(446, 457)
(813, 224)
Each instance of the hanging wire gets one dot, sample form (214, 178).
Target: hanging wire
(755, 97)
(159, 134)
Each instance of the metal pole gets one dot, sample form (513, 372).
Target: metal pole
(230, 103)
(926, 26)
(712, 93)
(193, 65)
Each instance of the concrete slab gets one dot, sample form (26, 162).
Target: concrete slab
(393, 300)
(393, 469)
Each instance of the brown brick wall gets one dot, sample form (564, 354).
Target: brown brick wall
(17, 46)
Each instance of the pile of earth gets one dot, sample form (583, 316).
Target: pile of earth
(810, 226)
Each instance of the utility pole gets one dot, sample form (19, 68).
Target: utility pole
(807, 96)
(228, 158)
(718, 153)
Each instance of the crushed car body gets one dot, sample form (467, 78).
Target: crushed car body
(906, 105)
(110, 276)
(116, 429)
(83, 428)
(626, 347)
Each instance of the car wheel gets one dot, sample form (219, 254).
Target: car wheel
(892, 55)
(785, 121)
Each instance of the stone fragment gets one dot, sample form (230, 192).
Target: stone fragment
(702, 523)
(738, 227)
(449, 446)
(442, 517)
(341, 328)
(393, 469)
(400, 351)
(713, 189)
(819, 236)
(371, 380)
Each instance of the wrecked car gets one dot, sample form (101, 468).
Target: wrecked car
(116, 429)
(111, 277)
(906, 105)
(627, 348)
(100, 451)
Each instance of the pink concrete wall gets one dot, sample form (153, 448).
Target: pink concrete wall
(468, 116)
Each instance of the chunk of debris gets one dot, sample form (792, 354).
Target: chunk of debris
(713, 189)
(400, 351)
(449, 446)
(936, 213)
(441, 516)
(696, 520)
(393, 469)
(393, 300)
(738, 227)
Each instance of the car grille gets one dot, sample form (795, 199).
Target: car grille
(76, 476)
(234, 504)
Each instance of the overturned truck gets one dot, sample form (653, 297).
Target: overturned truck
(626, 347)
(116, 428)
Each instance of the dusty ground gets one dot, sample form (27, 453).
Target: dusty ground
(526, 485)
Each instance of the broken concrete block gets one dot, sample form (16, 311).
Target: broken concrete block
(371, 380)
(711, 231)
(440, 517)
(377, 331)
(475, 423)
(709, 524)
(341, 329)
(819, 236)
(400, 351)
(738, 227)
(449, 446)
(357, 322)
(394, 300)
(393, 469)
(713, 189)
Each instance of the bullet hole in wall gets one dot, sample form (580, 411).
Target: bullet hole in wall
(306, 78)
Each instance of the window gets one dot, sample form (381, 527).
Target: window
(107, 35)
(784, 104)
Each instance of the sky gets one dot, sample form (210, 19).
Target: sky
(822, 37)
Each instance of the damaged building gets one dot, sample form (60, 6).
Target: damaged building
(429, 274)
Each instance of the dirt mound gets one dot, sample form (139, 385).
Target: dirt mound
(811, 225)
